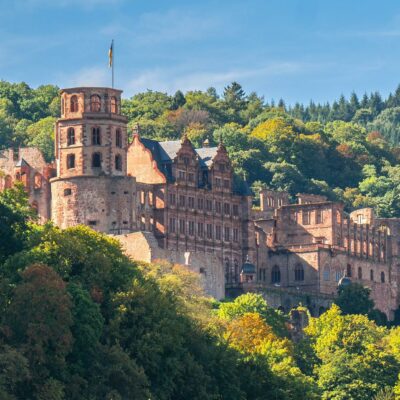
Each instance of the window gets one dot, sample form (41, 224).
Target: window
(293, 217)
(359, 273)
(182, 175)
(172, 225)
(209, 231)
(200, 204)
(96, 136)
(182, 226)
(182, 200)
(235, 210)
(227, 235)
(348, 270)
(371, 274)
(7, 182)
(208, 205)
(318, 216)
(218, 232)
(227, 208)
(67, 192)
(226, 183)
(74, 104)
(96, 160)
(118, 162)
(228, 277)
(338, 275)
(114, 105)
(218, 182)
(191, 202)
(118, 138)
(70, 161)
(218, 207)
(236, 271)
(382, 277)
(185, 160)
(222, 167)
(92, 223)
(191, 228)
(306, 217)
(37, 181)
(327, 273)
(95, 103)
(235, 234)
(200, 229)
(190, 177)
(275, 274)
(299, 273)
(70, 136)
(172, 198)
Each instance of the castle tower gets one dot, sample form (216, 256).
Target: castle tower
(92, 186)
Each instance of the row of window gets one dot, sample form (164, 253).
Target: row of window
(276, 274)
(184, 176)
(203, 205)
(95, 104)
(96, 137)
(338, 274)
(96, 161)
(306, 217)
(202, 230)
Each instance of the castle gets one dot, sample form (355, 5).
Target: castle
(168, 200)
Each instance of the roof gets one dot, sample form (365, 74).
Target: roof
(22, 163)
(207, 154)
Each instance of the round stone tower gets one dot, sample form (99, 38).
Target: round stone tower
(92, 186)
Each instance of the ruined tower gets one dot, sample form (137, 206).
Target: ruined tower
(92, 186)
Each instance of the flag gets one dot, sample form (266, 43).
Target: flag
(110, 55)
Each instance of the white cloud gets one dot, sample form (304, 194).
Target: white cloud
(90, 76)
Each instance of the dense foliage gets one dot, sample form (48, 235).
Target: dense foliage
(79, 320)
(347, 150)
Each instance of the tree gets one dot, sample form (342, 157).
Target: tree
(354, 299)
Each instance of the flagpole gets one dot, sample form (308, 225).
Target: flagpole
(112, 63)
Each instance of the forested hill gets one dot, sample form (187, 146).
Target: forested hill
(348, 150)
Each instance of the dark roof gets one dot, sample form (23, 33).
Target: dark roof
(22, 163)
(248, 267)
(207, 154)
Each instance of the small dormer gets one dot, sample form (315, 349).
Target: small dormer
(221, 170)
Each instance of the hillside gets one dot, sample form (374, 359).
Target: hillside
(347, 150)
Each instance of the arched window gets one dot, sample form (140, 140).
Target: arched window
(71, 136)
(275, 274)
(95, 103)
(70, 161)
(348, 271)
(371, 274)
(118, 162)
(227, 271)
(359, 273)
(37, 180)
(299, 273)
(96, 136)
(327, 273)
(382, 277)
(74, 104)
(96, 160)
(7, 182)
(114, 105)
(35, 207)
(118, 138)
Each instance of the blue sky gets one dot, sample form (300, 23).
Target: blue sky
(292, 49)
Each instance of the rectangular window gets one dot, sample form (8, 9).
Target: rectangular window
(208, 205)
(200, 229)
(191, 177)
(172, 199)
(191, 202)
(218, 232)
(235, 234)
(209, 231)
(182, 175)
(318, 216)
(235, 210)
(182, 201)
(172, 226)
(226, 183)
(306, 217)
(217, 182)
(191, 228)
(227, 234)
(92, 223)
(218, 207)
(200, 204)
(182, 226)
(227, 208)
(293, 217)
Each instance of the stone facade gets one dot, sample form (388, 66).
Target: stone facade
(169, 200)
